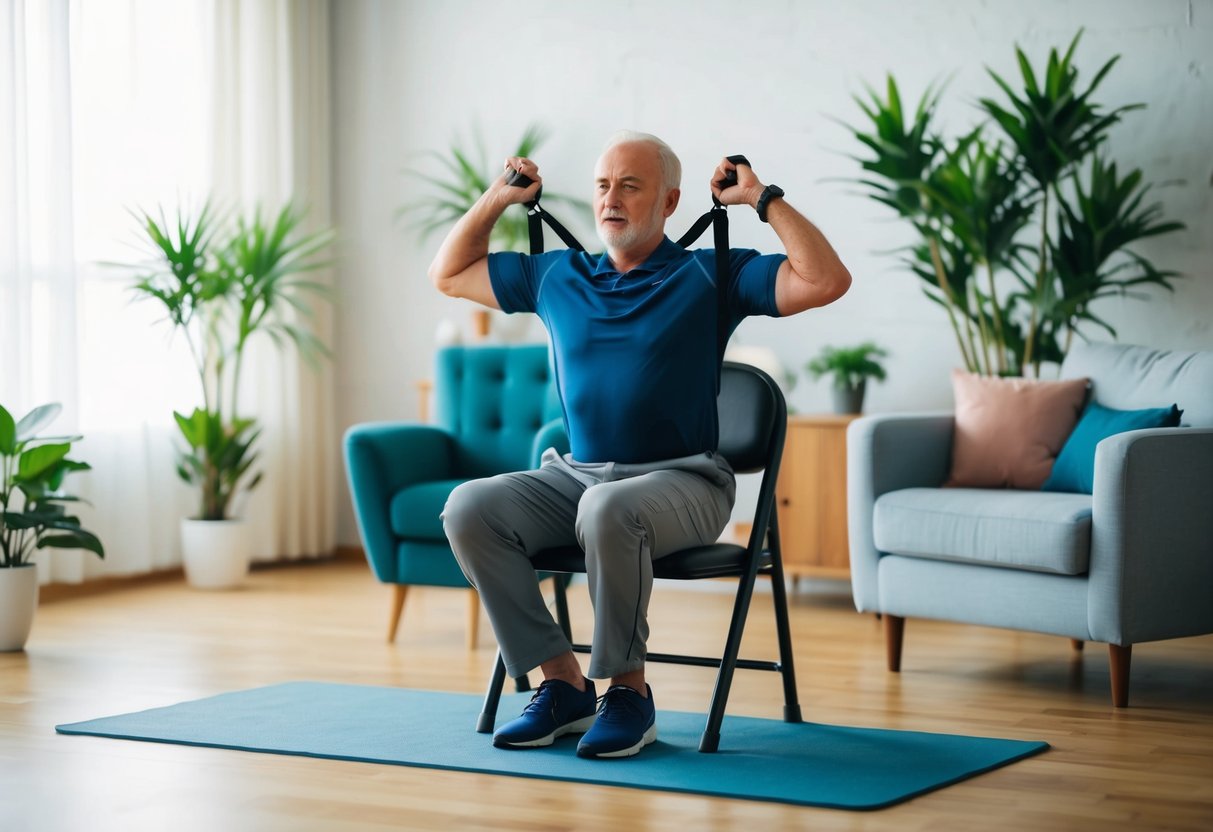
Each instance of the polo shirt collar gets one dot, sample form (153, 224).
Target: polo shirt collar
(663, 254)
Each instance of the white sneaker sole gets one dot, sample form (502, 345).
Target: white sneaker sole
(578, 726)
(649, 736)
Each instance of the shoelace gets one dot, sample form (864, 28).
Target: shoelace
(612, 704)
(540, 698)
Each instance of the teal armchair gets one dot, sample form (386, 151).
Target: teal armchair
(496, 410)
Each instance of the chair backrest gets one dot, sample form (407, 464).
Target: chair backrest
(753, 419)
(1126, 377)
(493, 400)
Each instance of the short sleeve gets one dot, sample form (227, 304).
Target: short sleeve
(753, 288)
(515, 286)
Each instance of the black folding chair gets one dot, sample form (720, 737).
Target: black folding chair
(753, 422)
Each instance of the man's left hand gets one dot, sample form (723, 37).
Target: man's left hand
(745, 192)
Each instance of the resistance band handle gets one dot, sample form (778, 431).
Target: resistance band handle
(519, 179)
(730, 178)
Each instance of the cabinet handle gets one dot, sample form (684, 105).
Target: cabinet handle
(785, 502)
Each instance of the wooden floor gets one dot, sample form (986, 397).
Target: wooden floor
(156, 643)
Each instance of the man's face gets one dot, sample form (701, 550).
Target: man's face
(630, 201)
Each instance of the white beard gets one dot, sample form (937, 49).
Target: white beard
(630, 234)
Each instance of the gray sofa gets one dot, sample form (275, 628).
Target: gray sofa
(1131, 563)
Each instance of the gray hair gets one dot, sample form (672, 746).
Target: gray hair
(671, 168)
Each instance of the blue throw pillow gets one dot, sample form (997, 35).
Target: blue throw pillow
(1074, 469)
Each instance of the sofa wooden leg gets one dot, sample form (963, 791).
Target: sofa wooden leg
(894, 631)
(1077, 644)
(401, 590)
(473, 619)
(1118, 662)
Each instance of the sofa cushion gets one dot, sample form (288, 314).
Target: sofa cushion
(1009, 430)
(416, 510)
(1074, 469)
(1031, 530)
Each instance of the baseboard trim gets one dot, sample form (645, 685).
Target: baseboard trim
(55, 592)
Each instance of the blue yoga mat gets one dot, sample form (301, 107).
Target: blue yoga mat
(759, 759)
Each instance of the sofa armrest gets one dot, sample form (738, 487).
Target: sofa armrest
(551, 435)
(1151, 574)
(380, 459)
(886, 453)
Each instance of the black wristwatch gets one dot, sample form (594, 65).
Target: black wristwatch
(768, 193)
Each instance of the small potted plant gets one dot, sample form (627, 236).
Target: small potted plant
(849, 368)
(33, 514)
(222, 284)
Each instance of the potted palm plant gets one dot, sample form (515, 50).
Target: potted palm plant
(34, 514)
(849, 369)
(221, 285)
(972, 201)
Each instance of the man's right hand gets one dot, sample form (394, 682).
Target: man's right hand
(511, 194)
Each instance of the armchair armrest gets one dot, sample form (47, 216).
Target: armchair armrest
(886, 453)
(1151, 574)
(380, 459)
(551, 435)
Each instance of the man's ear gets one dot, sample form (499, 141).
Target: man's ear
(671, 201)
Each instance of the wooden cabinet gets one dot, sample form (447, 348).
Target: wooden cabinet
(811, 496)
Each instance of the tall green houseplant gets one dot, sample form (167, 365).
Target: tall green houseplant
(222, 283)
(977, 204)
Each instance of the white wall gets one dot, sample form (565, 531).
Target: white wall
(715, 78)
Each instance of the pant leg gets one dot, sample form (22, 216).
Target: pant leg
(624, 525)
(494, 525)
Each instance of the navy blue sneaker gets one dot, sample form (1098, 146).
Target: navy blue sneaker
(555, 709)
(626, 723)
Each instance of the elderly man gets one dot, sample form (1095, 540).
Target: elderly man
(634, 348)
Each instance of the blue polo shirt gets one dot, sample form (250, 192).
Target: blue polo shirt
(634, 354)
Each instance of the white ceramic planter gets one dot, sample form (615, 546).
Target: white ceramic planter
(18, 600)
(215, 552)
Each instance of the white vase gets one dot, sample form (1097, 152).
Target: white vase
(18, 600)
(215, 552)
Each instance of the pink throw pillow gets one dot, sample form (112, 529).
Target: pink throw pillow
(1009, 430)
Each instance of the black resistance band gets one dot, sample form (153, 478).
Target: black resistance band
(717, 217)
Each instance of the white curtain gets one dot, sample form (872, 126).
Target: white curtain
(271, 129)
(138, 103)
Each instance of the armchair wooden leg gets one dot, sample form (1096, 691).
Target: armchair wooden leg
(397, 609)
(894, 631)
(1077, 644)
(473, 619)
(1118, 662)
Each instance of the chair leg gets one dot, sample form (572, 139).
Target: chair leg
(559, 584)
(1118, 662)
(401, 590)
(779, 596)
(894, 632)
(473, 619)
(488, 713)
(710, 740)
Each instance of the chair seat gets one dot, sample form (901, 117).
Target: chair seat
(416, 511)
(719, 560)
(1033, 530)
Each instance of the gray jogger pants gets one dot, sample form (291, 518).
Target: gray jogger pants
(623, 516)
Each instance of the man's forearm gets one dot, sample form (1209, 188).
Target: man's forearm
(468, 241)
(810, 254)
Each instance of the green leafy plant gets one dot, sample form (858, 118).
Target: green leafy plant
(221, 284)
(33, 508)
(972, 201)
(464, 178)
(848, 367)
